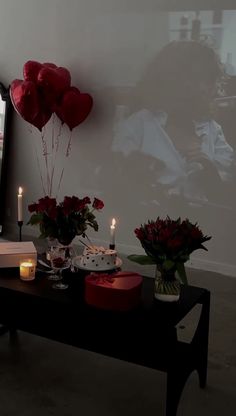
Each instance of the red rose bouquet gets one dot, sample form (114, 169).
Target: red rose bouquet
(168, 244)
(66, 219)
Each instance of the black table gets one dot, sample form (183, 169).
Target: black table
(146, 335)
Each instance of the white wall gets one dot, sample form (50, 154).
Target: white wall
(106, 46)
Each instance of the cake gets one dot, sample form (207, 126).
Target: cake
(98, 258)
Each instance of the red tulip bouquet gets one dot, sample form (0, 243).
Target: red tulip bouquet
(168, 244)
(66, 219)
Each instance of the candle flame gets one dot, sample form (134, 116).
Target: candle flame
(26, 264)
(20, 190)
(113, 223)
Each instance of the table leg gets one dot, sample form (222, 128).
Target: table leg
(176, 380)
(200, 341)
(3, 329)
(13, 336)
(189, 357)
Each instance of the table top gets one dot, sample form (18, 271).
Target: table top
(135, 336)
(41, 289)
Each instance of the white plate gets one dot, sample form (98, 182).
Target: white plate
(77, 263)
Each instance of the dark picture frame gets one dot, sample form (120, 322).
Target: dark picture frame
(5, 96)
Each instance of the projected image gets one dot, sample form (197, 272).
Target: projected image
(183, 120)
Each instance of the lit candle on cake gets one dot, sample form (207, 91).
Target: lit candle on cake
(112, 234)
(19, 198)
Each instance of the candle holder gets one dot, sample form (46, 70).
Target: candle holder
(20, 224)
(112, 246)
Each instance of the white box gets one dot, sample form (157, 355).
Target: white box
(11, 253)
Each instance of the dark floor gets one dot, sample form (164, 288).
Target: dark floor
(42, 378)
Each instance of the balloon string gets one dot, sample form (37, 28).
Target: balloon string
(57, 138)
(40, 172)
(67, 154)
(38, 164)
(59, 185)
(69, 145)
(53, 124)
(51, 154)
(45, 154)
(56, 147)
(51, 158)
(52, 149)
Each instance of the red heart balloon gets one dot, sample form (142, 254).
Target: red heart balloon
(53, 82)
(42, 118)
(59, 107)
(24, 97)
(31, 70)
(27, 102)
(74, 107)
(49, 64)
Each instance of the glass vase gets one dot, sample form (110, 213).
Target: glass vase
(67, 251)
(167, 286)
(51, 243)
(60, 260)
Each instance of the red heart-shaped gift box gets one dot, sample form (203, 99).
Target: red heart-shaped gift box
(119, 291)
